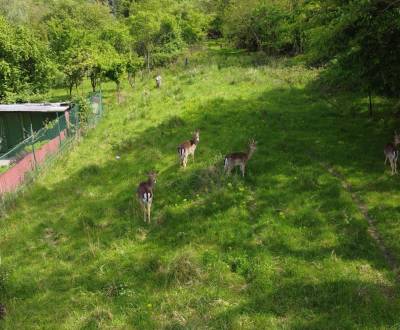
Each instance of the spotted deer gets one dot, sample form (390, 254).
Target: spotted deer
(145, 195)
(239, 158)
(188, 148)
(391, 153)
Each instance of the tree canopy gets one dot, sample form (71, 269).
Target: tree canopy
(60, 43)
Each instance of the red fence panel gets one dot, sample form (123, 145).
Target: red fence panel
(14, 177)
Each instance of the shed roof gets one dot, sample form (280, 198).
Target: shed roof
(35, 107)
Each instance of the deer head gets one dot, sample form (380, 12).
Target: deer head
(152, 176)
(196, 136)
(396, 138)
(252, 145)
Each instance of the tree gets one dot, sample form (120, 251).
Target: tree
(75, 68)
(114, 71)
(359, 43)
(133, 65)
(144, 26)
(25, 66)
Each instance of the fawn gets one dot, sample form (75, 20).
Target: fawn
(391, 153)
(239, 158)
(145, 195)
(188, 148)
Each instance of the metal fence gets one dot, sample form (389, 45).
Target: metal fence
(36, 152)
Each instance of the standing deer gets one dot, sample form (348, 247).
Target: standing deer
(188, 148)
(145, 195)
(239, 158)
(158, 81)
(391, 153)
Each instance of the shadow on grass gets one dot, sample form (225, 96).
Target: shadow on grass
(286, 202)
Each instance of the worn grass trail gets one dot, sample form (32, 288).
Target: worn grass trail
(286, 247)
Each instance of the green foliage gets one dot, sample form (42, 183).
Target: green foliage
(84, 110)
(357, 41)
(115, 68)
(63, 42)
(4, 275)
(262, 25)
(25, 66)
(134, 63)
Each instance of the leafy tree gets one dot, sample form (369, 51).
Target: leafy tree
(133, 65)
(75, 68)
(24, 62)
(115, 69)
(359, 43)
(144, 27)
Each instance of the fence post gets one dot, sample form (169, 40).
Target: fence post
(74, 109)
(59, 130)
(33, 147)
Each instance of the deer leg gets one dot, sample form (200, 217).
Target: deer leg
(149, 211)
(391, 165)
(143, 208)
(242, 168)
(386, 160)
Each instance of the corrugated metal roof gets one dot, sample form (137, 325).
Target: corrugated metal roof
(34, 107)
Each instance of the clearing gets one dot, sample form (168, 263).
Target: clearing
(286, 247)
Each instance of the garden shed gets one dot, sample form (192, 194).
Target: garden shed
(17, 120)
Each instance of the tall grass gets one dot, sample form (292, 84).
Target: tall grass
(285, 247)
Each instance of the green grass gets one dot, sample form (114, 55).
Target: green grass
(4, 169)
(285, 247)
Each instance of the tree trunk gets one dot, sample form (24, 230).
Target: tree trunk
(93, 83)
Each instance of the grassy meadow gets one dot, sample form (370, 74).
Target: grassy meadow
(284, 248)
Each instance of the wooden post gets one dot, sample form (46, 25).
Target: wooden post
(59, 130)
(77, 121)
(33, 147)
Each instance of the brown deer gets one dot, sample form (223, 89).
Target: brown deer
(391, 153)
(188, 148)
(145, 195)
(239, 158)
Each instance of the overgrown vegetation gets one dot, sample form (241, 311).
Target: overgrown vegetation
(52, 44)
(356, 41)
(58, 44)
(285, 247)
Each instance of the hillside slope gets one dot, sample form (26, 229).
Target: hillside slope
(285, 247)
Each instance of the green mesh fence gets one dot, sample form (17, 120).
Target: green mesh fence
(46, 143)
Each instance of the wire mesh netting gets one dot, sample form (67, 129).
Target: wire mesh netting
(41, 146)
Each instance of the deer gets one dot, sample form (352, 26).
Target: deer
(145, 195)
(239, 158)
(158, 81)
(391, 153)
(188, 148)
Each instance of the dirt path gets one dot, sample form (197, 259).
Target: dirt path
(363, 208)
